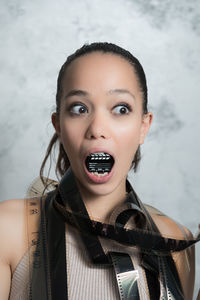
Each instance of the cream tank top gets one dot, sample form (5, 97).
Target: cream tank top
(84, 279)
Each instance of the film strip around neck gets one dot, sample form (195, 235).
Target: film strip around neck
(37, 247)
(149, 242)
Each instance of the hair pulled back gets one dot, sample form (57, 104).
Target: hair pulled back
(62, 163)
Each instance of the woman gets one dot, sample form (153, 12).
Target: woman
(91, 237)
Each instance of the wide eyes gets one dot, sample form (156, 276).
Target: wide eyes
(81, 109)
(78, 109)
(121, 109)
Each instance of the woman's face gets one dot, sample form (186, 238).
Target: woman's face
(101, 123)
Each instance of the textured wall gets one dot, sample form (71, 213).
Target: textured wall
(36, 36)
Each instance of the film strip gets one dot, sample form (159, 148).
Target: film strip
(127, 276)
(150, 243)
(39, 278)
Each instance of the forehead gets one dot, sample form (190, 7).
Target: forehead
(100, 71)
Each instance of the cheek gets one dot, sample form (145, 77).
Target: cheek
(70, 139)
(129, 133)
(129, 140)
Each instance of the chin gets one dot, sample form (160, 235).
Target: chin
(102, 190)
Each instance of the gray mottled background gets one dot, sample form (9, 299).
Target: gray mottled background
(35, 39)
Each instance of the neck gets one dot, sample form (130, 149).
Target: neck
(100, 207)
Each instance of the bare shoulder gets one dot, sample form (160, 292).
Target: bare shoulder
(11, 206)
(12, 230)
(167, 226)
(184, 260)
(11, 211)
(11, 216)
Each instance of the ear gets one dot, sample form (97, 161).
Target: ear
(146, 123)
(56, 122)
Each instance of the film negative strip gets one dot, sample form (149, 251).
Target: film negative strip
(127, 276)
(39, 275)
(149, 242)
(46, 217)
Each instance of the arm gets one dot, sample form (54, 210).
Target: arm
(184, 260)
(185, 264)
(5, 279)
(12, 241)
(5, 271)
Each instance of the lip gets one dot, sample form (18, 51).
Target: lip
(95, 179)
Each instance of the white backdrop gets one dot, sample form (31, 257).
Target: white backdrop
(37, 36)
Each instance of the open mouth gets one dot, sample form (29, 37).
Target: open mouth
(99, 163)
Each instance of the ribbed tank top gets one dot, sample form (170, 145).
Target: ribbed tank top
(85, 280)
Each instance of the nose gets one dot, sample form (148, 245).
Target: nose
(98, 127)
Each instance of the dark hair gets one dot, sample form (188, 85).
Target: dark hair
(63, 163)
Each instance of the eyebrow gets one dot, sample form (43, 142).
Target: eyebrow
(122, 91)
(77, 93)
(86, 94)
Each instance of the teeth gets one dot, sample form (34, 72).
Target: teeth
(100, 174)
